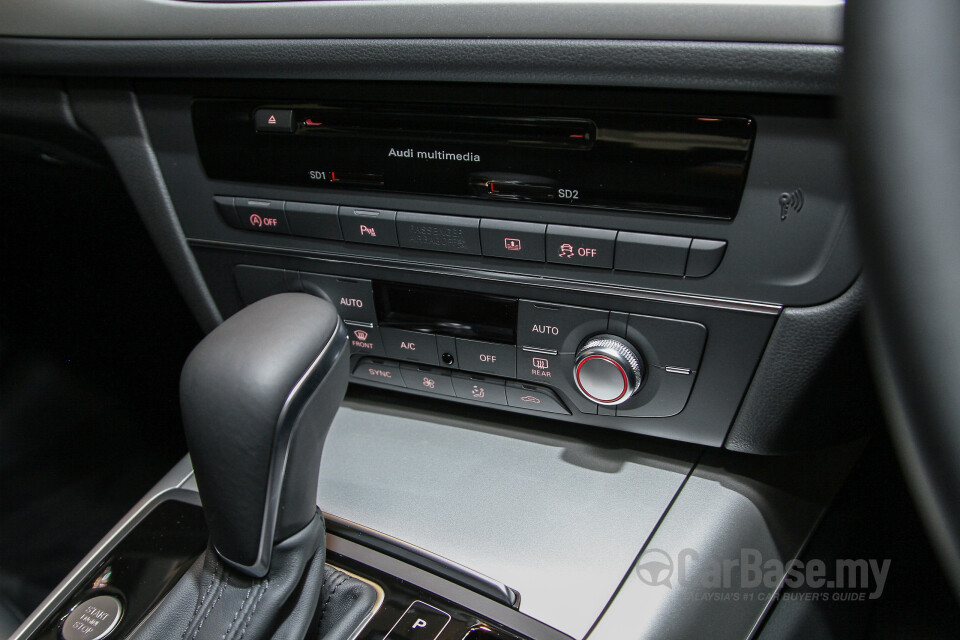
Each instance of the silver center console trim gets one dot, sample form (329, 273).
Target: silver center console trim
(726, 504)
(422, 558)
(178, 485)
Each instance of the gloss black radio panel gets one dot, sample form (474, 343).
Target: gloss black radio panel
(634, 161)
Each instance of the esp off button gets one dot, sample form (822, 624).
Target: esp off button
(581, 246)
(92, 619)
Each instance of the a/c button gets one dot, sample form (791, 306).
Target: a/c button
(412, 346)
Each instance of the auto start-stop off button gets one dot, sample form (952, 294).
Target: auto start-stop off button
(92, 619)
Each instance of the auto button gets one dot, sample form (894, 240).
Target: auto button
(352, 298)
(556, 327)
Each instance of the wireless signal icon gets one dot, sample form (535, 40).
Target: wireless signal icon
(790, 201)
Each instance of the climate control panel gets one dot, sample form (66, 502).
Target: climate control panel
(515, 353)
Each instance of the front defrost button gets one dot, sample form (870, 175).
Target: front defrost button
(364, 338)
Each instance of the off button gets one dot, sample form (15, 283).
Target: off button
(581, 246)
(92, 619)
(487, 357)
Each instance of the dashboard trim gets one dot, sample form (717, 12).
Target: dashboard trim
(762, 308)
(768, 67)
(800, 21)
(116, 119)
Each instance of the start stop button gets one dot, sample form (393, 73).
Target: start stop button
(92, 619)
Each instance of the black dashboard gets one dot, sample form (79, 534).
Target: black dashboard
(479, 283)
(543, 224)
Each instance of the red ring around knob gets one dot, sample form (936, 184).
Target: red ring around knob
(623, 376)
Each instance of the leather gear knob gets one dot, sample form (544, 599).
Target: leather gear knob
(258, 395)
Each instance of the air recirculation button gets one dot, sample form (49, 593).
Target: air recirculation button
(608, 370)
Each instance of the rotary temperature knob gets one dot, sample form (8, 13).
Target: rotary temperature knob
(608, 370)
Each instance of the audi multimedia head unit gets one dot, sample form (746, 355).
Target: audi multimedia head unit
(648, 162)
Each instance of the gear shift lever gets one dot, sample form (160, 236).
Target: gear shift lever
(258, 395)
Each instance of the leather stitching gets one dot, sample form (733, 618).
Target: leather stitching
(203, 597)
(213, 605)
(236, 616)
(253, 610)
(340, 581)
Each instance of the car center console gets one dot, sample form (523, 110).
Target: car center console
(612, 258)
